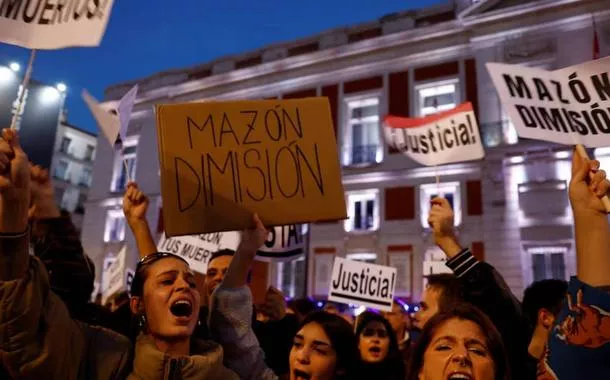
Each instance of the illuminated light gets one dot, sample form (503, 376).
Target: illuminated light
(406, 307)
(319, 304)
(359, 310)
(61, 87)
(416, 308)
(562, 155)
(516, 160)
(49, 95)
(6, 74)
(15, 66)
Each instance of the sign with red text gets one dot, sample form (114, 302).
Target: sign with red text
(46, 24)
(221, 162)
(443, 138)
(355, 282)
(567, 106)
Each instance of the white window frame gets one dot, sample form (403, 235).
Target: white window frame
(119, 165)
(361, 195)
(428, 86)
(349, 103)
(427, 190)
(66, 173)
(547, 250)
(293, 269)
(111, 216)
(366, 257)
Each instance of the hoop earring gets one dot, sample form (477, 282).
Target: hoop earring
(142, 322)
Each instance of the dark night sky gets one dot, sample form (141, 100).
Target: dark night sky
(147, 36)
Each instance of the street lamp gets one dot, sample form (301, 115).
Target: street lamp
(15, 66)
(61, 87)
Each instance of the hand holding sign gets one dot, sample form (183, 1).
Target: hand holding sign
(253, 238)
(441, 221)
(43, 194)
(587, 187)
(14, 184)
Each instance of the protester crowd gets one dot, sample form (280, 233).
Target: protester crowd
(469, 324)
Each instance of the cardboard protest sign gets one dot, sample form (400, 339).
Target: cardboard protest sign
(113, 126)
(113, 277)
(197, 250)
(284, 243)
(44, 24)
(361, 283)
(443, 138)
(223, 161)
(568, 106)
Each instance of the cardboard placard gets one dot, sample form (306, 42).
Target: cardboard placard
(443, 138)
(355, 282)
(223, 161)
(44, 24)
(198, 249)
(567, 106)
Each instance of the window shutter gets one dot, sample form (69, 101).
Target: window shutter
(160, 222)
(301, 94)
(474, 197)
(471, 85)
(398, 104)
(365, 84)
(437, 71)
(400, 203)
(478, 250)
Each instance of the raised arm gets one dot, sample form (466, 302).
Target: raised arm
(231, 311)
(135, 206)
(591, 227)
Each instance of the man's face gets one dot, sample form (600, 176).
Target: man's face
(217, 269)
(428, 307)
(396, 318)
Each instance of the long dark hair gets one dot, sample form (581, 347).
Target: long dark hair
(467, 312)
(392, 366)
(341, 337)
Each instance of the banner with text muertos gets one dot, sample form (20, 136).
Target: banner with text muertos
(355, 282)
(198, 249)
(443, 138)
(46, 24)
(221, 162)
(567, 106)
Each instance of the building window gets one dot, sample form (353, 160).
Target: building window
(437, 97)
(363, 211)
(548, 262)
(362, 144)
(291, 277)
(61, 170)
(447, 190)
(89, 152)
(65, 144)
(115, 226)
(85, 179)
(124, 161)
(370, 258)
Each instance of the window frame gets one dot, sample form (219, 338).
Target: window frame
(347, 157)
(119, 166)
(424, 85)
(292, 286)
(426, 190)
(362, 195)
(547, 250)
(363, 257)
(112, 215)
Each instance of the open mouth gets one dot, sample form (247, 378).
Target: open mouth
(375, 350)
(181, 308)
(298, 374)
(459, 376)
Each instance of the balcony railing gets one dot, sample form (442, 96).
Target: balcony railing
(495, 134)
(362, 154)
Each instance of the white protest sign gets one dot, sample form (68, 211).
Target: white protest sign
(197, 249)
(355, 282)
(108, 123)
(46, 24)
(113, 277)
(443, 138)
(567, 106)
(284, 243)
(124, 110)
(129, 275)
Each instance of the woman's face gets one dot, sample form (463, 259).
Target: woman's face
(374, 342)
(312, 356)
(457, 351)
(171, 299)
